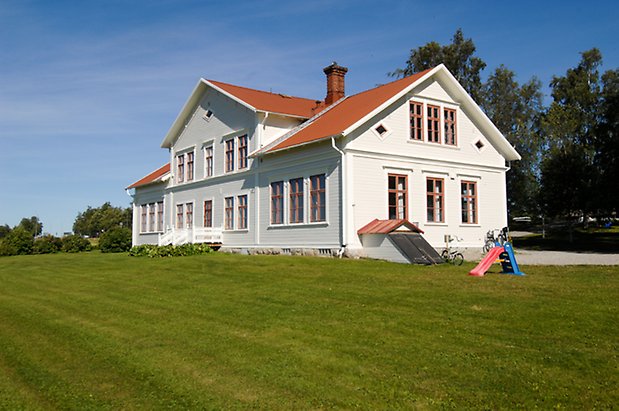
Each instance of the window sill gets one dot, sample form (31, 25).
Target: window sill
(436, 224)
(424, 142)
(298, 225)
(238, 230)
(150, 232)
(470, 225)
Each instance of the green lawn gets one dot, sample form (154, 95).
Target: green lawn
(596, 240)
(97, 331)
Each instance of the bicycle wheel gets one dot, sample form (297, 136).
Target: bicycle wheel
(458, 259)
(445, 256)
(488, 246)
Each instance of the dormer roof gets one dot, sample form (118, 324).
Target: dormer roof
(159, 175)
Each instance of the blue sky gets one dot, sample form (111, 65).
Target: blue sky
(88, 89)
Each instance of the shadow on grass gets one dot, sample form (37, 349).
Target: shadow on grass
(591, 240)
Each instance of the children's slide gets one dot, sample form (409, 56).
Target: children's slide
(486, 262)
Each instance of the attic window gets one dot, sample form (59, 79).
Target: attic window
(381, 131)
(479, 144)
(208, 114)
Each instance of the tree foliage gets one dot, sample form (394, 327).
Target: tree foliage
(32, 225)
(515, 110)
(95, 221)
(458, 57)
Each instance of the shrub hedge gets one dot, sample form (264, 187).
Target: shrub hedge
(153, 251)
(116, 240)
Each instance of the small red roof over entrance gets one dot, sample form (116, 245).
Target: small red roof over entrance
(387, 226)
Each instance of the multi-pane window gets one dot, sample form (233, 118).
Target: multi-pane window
(189, 215)
(230, 155)
(179, 216)
(296, 200)
(416, 117)
(277, 202)
(151, 217)
(160, 216)
(242, 206)
(433, 122)
(397, 197)
(180, 168)
(143, 222)
(317, 198)
(450, 126)
(208, 213)
(190, 166)
(208, 161)
(229, 213)
(435, 200)
(243, 152)
(468, 192)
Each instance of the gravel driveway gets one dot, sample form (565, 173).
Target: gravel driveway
(530, 257)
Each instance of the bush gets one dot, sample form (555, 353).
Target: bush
(74, 244)
(18, 241)
(47, 244)
(116, 240)
(152, 251)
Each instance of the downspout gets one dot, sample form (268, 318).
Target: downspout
(344, 197)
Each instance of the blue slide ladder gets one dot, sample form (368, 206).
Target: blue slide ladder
(508, 261)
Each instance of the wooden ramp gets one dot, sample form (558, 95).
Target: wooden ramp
(415, 248)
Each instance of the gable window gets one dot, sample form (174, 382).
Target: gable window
(208, 114)
(277, 202)
(151, 217)
(243, 152)
(230, 155)
(416, 117)
(242, 206)
(208, 161)
(397, 197)
(450, 126)
(434, 200)
(179, 216)
(143, 218)
(433, 122)
(229, 213)
(160, 216)
(180, 168)
(468, 192)
(296, 200)
(208, 213)
(317, 198)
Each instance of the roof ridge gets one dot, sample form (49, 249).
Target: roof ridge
(261, 91)
(298, 128)
(392, 82)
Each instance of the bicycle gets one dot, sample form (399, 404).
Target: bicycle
(493, 240)
(452, 256)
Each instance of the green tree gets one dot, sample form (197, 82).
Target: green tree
(116, 240)
(607, 142)
(31, 225)
(515, 110)
(95, 221)
(458, 57)
(4, 230)
(570, 178)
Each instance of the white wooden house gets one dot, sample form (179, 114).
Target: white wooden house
(255, 171)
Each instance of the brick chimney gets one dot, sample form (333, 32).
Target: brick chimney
(335, 82)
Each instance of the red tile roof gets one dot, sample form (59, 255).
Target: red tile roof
(345, 113)
(377, 226)
(271, 102)
(153, 177)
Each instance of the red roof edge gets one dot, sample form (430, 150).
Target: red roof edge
(377, 226)
(153, 177)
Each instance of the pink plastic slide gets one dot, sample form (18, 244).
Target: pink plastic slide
(486, 262)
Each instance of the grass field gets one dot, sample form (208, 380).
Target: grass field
(596, 240)
(97, 331)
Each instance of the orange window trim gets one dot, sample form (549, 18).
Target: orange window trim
(440, 210)
(396, 193)
(416, 121)
(434, 121)
(451, 131)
